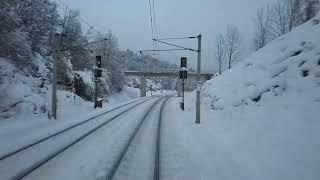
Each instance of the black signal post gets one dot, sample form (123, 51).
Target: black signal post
(183, 76)
(98, 75)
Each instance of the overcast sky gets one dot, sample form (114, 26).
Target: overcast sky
(130, 21)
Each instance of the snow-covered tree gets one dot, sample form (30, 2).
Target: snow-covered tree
(13, 40)
(108, 48)
(40, 20)
(75, 41)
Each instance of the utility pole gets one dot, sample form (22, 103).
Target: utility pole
(56, 58)
(198, 81)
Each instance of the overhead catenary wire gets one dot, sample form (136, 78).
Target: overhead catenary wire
(162, 50)
(151, 23)
(81, 18)
(79, 46)
(154, 23)
(178, 46)
(177, 38)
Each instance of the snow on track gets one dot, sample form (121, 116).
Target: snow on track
(14, 138)
(18, 164)
(173, 147)
(92, 157)
(139, 160)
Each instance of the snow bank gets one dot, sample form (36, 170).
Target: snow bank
(21, 93)
(286, 68)
(26, 96)
(264, 112)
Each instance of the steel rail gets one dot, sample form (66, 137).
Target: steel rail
(18, 150)
(38, 164)
(157, 160)
(121, 156)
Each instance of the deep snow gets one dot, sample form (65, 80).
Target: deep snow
(260, 120)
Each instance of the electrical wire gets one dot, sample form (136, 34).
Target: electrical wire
(79, 46)
(81, 18)
(151, 23)
(177, 38)
(170, 44)
(154, 23)
(161, 50)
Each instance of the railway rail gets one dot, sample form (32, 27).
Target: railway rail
(139, 128)
(27, 149)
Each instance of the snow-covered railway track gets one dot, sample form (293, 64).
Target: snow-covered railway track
(24, 160)
(133, 161)
(158, 144)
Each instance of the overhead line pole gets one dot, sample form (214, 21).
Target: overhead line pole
(198, 100)
(56, 57)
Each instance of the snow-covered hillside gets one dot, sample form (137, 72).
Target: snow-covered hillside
(265, 110)
(286, 71)
(26, 97)
(21, 91)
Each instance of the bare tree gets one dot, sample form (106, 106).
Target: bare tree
(294, 13)
(285, 15)
(312, 7)
(261, 23)
(220, 51)
(279, 19)
(232, 40)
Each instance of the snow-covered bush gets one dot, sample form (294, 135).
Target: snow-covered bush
(84, 85)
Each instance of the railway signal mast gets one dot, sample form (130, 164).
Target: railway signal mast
(181, 48)
(183, 76)
(98, 75)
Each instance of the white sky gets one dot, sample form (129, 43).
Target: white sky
(130, 21)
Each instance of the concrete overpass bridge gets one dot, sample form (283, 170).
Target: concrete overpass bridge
(162, 73)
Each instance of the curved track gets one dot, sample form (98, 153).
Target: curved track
(18, 154)
(157, 162)
(116, 167)
(16, 151)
